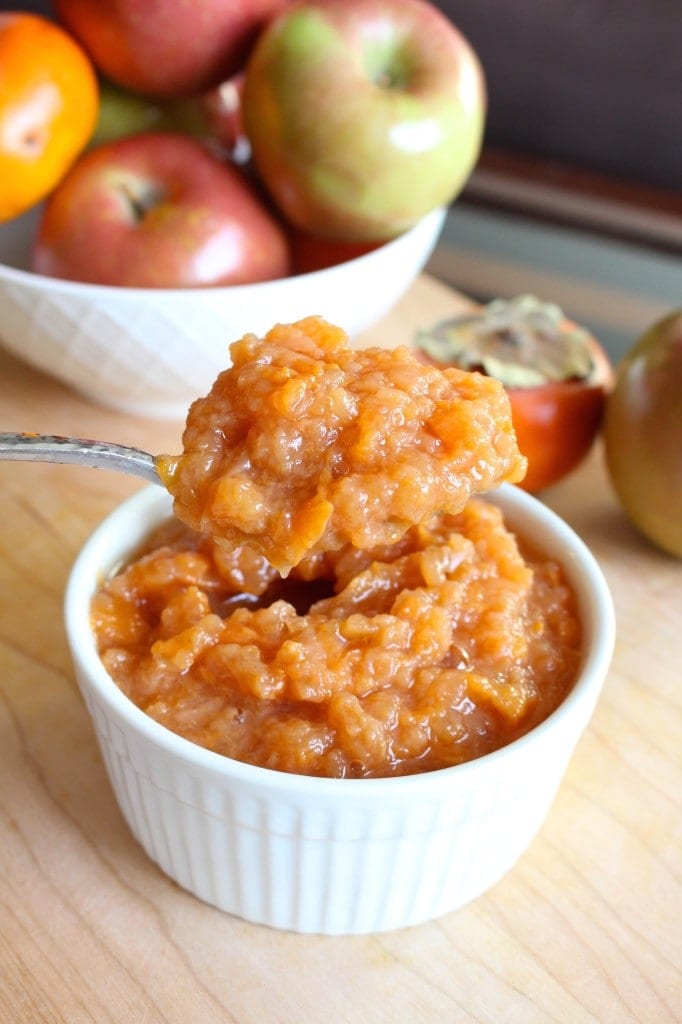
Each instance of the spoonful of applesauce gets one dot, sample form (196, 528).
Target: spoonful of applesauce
(304, 445)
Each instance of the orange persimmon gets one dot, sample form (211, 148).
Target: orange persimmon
(555, 426)
(48, 108)
(556, 374)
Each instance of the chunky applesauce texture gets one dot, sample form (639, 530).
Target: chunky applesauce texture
(305, 444)
(334, 599)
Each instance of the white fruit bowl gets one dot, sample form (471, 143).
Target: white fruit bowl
(151, 352)
(332, 856)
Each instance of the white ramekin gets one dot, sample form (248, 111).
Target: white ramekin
(332, 856)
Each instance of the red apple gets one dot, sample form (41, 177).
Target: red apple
(164, 48)
(362, 115)
(222, 110)
(310, 252)
(158, 211)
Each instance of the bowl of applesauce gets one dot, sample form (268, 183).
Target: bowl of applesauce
(395, 727)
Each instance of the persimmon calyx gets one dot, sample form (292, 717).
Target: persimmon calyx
(522, 342)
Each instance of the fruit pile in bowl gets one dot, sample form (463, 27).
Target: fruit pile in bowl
(175, 179)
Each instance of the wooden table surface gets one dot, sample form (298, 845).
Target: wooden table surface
(586, 928)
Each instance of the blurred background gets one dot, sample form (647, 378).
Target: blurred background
(592, 83)
(578, 194)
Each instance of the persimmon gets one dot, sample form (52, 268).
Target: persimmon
(555, 427)
(556, 374)
(48, 108)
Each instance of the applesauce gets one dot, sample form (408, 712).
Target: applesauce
(305, 445)
(401, 658)
(333, 600)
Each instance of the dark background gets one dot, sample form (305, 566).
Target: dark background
(595, 84)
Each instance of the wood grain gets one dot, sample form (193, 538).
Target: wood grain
(584, 929)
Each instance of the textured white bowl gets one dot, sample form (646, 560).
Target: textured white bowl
(333, 856)
(151, 352)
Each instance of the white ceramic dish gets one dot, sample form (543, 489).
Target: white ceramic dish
(327, 855)
(151, 352)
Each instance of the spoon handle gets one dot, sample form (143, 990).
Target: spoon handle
(79, 452)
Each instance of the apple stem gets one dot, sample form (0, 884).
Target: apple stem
(140, 201)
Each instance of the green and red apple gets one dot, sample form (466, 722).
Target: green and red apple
(214, 116)
(363, 115)
(163, 48)
(643, 433)
(158, 210)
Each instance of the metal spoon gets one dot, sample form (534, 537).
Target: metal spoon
(79, 452)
